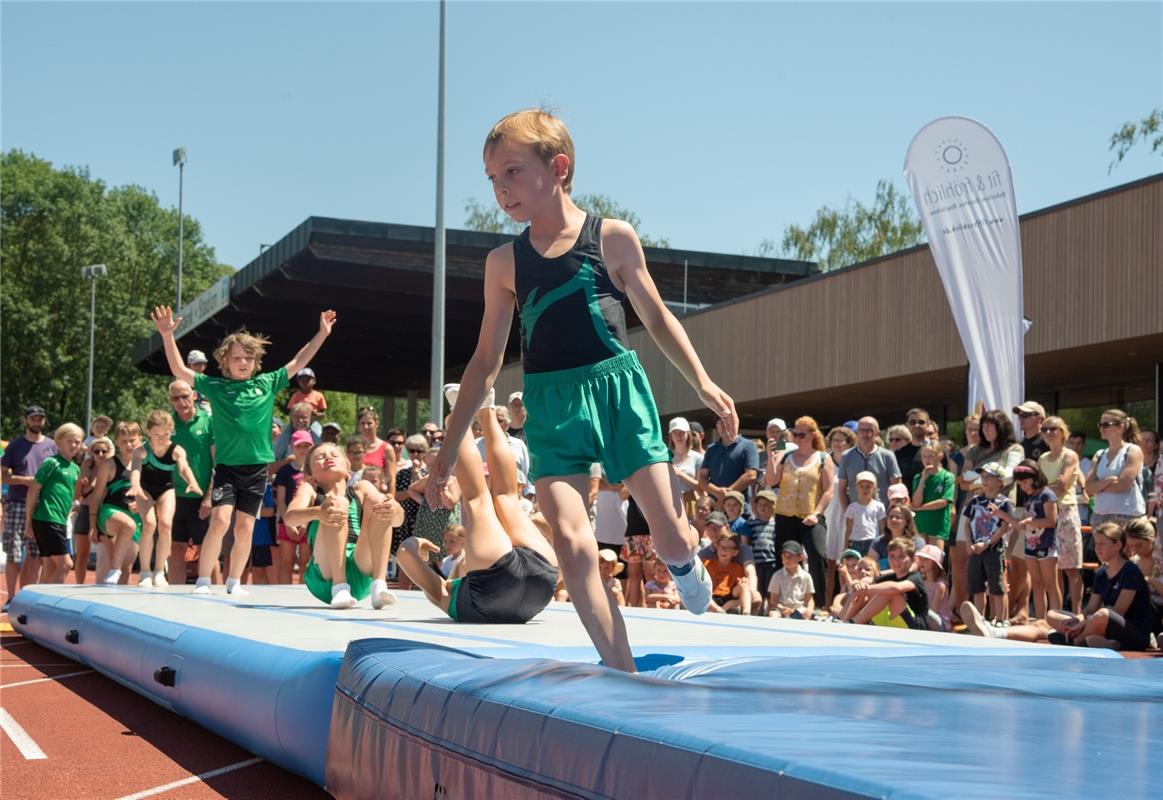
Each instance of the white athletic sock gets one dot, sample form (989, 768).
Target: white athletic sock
(381, 595)
(341, 596)
(234, 586)
(112, 578)
(202, 586)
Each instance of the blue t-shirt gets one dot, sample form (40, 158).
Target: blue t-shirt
(24, 458)
(264, 534)
(1140, 614)
(726, 463)
(982, 524)
(1040, 541)
(761, 535)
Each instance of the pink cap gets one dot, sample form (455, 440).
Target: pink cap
(897, 490)
(302, 437)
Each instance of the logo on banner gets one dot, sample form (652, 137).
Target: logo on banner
(952, 155)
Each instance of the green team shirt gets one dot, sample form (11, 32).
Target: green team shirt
(939, 486)
(58, 479)
(196, 437)
(242, 416)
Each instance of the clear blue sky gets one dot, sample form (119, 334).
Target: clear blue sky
(717, 123)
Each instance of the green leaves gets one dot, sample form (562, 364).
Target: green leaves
(840, 237)
(492, 220)
(53, 222)
(1130, 134)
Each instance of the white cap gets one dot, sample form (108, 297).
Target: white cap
(679, 424)
(196, 357)
(776, 422)
(515, 396)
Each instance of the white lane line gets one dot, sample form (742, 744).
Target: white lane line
(195, 779)
(24, 743)
(43, 680)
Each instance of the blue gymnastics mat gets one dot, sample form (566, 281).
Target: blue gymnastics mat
(405, 703)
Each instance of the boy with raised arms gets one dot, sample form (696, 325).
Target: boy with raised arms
(587, 396)
(243, 400)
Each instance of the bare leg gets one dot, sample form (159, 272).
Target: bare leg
(959, 565)
(243, 537)
(875, 603)
(1037, 589)
(563, 501)
(1074, 582)
(147, 510)
(164, 511)
(1019, 589)
(30, 569)
(830, 583)
(121, 527)
(415, 564)
(485, 539)
(661, 504)
(285, 561)
(212, 544)
(177, 562)
(1049, 569)
(81, 546)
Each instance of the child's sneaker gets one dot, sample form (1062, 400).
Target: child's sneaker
(159, 579)
(976, 624)
(146, 581)
(694, 587)
(202, 586)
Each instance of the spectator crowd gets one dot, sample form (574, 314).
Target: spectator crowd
(1010, 534)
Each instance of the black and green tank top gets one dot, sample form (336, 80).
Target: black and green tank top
(571, 313)
(353, 516)
(118, 486)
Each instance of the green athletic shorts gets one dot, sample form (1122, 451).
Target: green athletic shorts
(601, 412)
(361, 585)
(106, 511)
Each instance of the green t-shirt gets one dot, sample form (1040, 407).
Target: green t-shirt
(242, 416)
(939, 486)
(58, 479)
(196, 437)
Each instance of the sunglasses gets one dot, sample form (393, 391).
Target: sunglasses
(1027, 414)
(1050, 429)
(800, 435)
(895, 439)
(179, 397)
(396, 442)
(1106, 423)
(918, 422)
(416, 452)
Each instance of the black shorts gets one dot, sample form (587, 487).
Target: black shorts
(239, 486)
(513, 590)
(81, 521)
(985, 569)
(188, 527)
(763, 572)
(721, 599)
(913, 621)
(51, 538)
(1127, 635)
(156, 485)
(260, 555)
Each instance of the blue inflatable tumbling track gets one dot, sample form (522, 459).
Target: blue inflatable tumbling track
(405, 703)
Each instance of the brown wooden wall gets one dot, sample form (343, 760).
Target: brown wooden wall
(880, 332)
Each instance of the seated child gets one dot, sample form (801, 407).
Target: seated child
(452, 565)
(731, 592)
(349, 531)
(510, 567)
(661, 592)
(901, 592)
(860, 569)
(791, 592)
(609, 568)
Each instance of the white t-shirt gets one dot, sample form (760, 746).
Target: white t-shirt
(689, 466)
(865, 519)
(610, 519)
(791, 590)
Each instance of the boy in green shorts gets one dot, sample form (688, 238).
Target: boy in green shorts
(50, 501)
(349, 530)
(243, 400)
(587, 397)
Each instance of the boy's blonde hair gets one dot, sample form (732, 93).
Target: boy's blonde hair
(157, 418)
(68, 430)
(539, 129)
(129, 428)
(252, 344)
(907, 546)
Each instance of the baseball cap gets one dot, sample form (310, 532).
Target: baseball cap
(697, 427)
(733, 495)
(196, 357)
(934, 554)
(334, 425)
(679, 424)
(1030, 407)
(305, 372)
(776, 422)
(302, 437)
(795, 548)
(717, 518)
(516, 396)
(850, 554)
(897, 490)
(866, 476)
(34, 411)
(993, 470)
(768, 495)
(852, 425)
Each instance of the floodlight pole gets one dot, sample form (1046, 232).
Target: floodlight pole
(436, 408)
(180, 163)
(92, 273)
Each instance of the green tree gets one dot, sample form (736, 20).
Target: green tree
(840, 237)
(1131, 134)
(491, 219)
(52, 222)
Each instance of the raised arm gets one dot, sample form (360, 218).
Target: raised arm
(628, 264)
(166, 323)
(308, 351)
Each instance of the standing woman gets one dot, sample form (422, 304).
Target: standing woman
(416, 446)
(959, 551)
(685, 461)
(1060, 466)
(1115, 476)
(805, 477)
(840, 441)
(377, 452)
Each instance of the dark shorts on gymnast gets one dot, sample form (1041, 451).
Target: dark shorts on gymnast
(513, 590)
(241, 486)
(188, 526)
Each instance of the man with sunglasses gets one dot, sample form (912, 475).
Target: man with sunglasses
(867, 456)
(908, 456)
(194, 434)
(19, 465)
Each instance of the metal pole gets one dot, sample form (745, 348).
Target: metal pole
(92, 318)
(181, 230)
(685, 264)
(436, 410)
